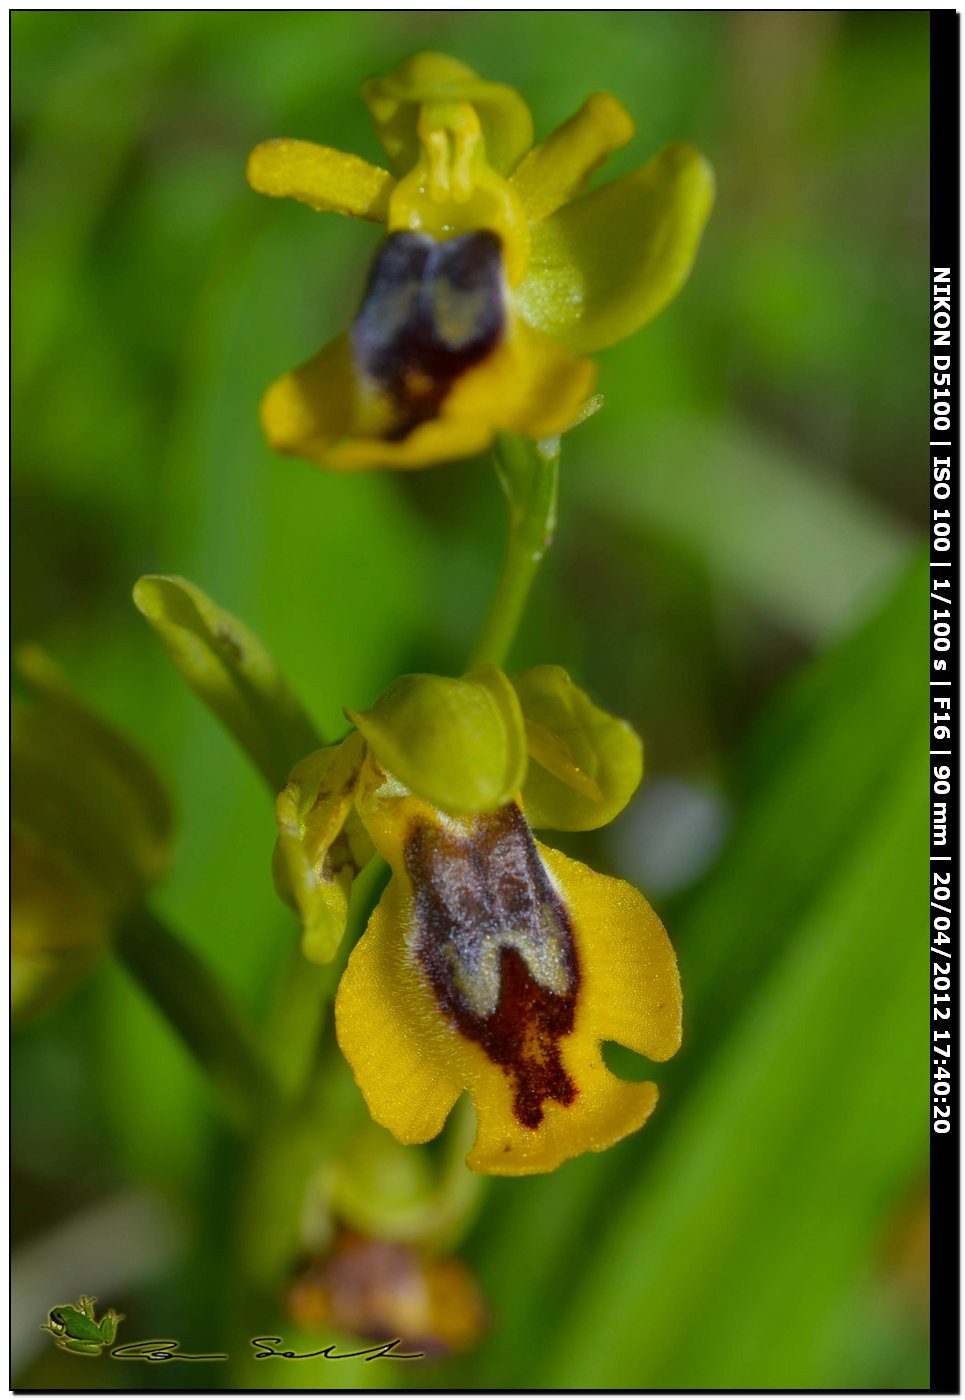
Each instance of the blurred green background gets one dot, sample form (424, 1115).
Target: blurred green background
(738, 571)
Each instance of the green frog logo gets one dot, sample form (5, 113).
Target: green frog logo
(74, 1328)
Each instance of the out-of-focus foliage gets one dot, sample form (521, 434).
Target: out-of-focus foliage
(90, 831)
(730, 574)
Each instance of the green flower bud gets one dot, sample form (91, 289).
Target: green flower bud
(381, 1188)
(372, 1184)
(458, 744)
(587, 764)
(227, 666)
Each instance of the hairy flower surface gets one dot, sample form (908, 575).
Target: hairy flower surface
(497, 274)
(492, 964)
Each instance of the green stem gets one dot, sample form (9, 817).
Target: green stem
(297, 1021)
(529, 475)
(196, 1005)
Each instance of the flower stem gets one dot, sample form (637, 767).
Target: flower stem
(528, 472)
(196, 1005)
(297, 1021)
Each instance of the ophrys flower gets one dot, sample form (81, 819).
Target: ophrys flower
(492, 963)
(497, 275)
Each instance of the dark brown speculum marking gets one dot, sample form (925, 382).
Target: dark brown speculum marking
(430, 312)
(496, 944)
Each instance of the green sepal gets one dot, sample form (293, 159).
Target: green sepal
(228, 667)
(460, 745)
(586, 764)
(321, 844)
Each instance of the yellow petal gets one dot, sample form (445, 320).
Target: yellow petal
(320, 177)
(557, 170)
(319, 411)
(321, 844)
(304, 412)
(496, 965)
(403, 1056)
(605, 264)
(632, 984)
(528, 386)
(630, 992)
(322, 411)
(439, 440)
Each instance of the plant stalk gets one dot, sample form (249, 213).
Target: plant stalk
(196, 1005)
(528, 473)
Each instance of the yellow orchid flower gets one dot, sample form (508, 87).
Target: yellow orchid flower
(492, 964)
(497, 274)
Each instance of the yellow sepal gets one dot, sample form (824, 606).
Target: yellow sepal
(604, 265)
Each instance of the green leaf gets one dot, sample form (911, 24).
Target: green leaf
(587, 763)
(90, 824)
(807, 548)
(195, 1004)
(80, 789)
(458, 744)
(228, 667)
(60, 923)
(776, 1168)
